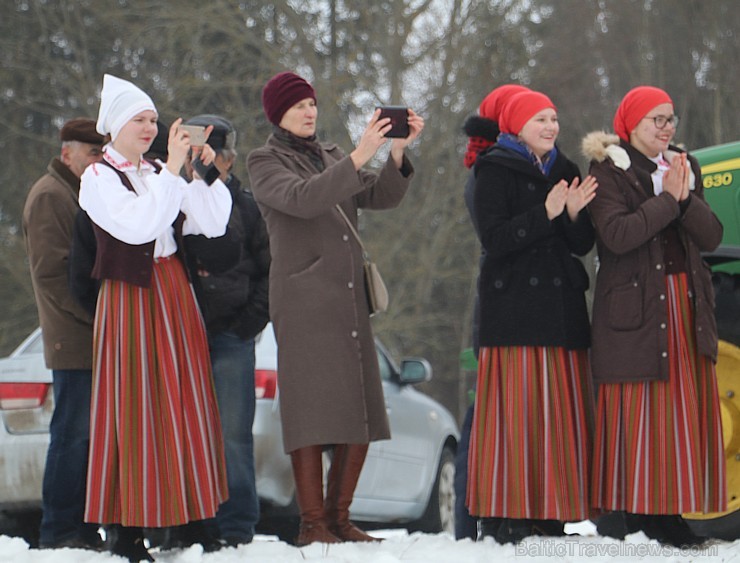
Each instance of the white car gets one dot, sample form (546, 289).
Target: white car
(406, 480)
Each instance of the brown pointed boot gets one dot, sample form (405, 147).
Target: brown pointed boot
(309, 493)
(343, 476)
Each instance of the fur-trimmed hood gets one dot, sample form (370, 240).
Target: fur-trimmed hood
(599, 145)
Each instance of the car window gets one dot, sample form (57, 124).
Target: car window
(35, 346)
(385, 367)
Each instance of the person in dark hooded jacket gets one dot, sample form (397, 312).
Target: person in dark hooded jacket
(482, 130)
(530, 438)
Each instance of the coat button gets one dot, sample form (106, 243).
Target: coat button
(521, 233)
(533, 281)
(498, 284)
(531, 187)
(557, 282)
(662, 297)
(658, 266)
(698, 329)
(350, 285)
(664, 354)
(354, 334)
(345, 238)
(662, 325)
(57, 346)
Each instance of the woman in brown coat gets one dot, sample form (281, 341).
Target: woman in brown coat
(658, 444)
(330, 387)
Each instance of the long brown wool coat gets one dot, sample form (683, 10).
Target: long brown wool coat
(329, 384)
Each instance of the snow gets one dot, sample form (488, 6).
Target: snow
(400, 547)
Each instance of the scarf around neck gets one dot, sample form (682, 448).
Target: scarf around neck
(512, 142)
(308, 146)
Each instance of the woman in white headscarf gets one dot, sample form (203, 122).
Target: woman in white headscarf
(156, 454)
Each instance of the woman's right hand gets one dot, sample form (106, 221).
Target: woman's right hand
(556, 198)
(676, 178)
(372, 139)
(178, 146)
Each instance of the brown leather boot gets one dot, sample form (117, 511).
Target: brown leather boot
(343, 475)
(308, 476)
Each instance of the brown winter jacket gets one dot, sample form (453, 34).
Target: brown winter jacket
(329, 382)
(629, 333)
(48, 222)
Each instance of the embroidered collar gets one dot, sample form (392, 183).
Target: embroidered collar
(120, 162)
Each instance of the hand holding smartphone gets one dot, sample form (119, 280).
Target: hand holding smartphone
(197, 134)
(399, 116)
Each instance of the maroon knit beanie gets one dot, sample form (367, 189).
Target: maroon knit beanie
(282, 92)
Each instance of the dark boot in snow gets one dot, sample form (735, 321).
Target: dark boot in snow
(308, 476)
(513, 530)
(128, 542)
(671, 529)
(340, 488)
(552, 528)
(488, 527)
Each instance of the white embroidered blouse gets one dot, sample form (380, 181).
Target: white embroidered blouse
(148, 214)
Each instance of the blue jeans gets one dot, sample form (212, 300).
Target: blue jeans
(232, 359)
(65, 474)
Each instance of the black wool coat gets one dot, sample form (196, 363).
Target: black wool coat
(531, 284)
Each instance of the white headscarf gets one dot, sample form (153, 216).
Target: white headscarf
(119, 102)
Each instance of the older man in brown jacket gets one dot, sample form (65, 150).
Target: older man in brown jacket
(48, 221)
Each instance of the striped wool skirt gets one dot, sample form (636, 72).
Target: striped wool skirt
(156, 448)
(658, 444)
(530, 441)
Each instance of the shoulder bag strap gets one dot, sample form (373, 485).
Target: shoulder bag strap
(365, 254)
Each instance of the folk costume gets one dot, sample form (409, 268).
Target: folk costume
(658, 442)
(530, 439)
(156, 454)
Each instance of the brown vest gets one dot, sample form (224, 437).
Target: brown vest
(130, 263)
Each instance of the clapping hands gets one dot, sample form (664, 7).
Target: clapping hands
(573, 197)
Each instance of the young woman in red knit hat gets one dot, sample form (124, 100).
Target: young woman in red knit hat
(530, 438)
(658, 442)
(331, 394)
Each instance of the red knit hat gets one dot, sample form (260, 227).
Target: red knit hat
(493, 103)
(520, 108)
(634, 106)
(282, 92)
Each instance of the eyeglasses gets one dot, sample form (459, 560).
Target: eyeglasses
(661, 120)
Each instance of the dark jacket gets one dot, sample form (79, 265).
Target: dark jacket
(531, 286)
(630, 337)
(233, 298)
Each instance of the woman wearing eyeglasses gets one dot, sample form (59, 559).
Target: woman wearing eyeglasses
(658, 445)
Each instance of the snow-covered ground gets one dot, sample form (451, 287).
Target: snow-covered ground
(415, 548)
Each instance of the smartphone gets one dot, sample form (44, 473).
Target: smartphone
(197, 134)
(399, 120)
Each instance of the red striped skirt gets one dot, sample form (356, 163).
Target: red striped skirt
(531, 435)
(658, 444)
(156, 448)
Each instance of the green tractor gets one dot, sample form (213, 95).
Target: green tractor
(720, 169)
